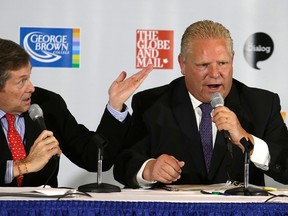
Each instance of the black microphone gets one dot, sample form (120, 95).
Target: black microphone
(36, 114)
(217, 100)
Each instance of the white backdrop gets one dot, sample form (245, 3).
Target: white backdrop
(108, 46)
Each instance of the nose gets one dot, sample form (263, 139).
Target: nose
(214, 71)
(31, 87)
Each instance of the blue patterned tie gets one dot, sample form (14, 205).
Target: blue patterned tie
(205, 130)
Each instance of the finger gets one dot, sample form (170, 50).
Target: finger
(121, 77)
(167, 174)
(180, 163)
(175, 164)
(170, 171)
(51, 142)
(52, 146)
(141, 75)
(44, 134)
(164, 180)
(55, 151)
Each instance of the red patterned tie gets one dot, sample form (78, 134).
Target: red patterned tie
(15, 142)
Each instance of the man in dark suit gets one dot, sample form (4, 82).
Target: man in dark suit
(164, 144)
(38, 166)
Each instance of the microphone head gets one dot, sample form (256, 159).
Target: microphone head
(216, 100)
(35, 112)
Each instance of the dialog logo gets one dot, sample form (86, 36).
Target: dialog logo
(258, 47)
(52, 47)
(154, 47)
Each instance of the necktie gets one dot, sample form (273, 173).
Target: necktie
(15, 143)
(205, 130)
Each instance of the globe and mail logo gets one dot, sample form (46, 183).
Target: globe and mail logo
(258, 47)
(52, 47)
(154, 47)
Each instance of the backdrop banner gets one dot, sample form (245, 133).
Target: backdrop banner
(82, 46)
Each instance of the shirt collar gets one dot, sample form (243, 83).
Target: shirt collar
(2, 114)
(195, 103)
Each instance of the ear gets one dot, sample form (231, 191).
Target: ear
(182, 64)
(233, 56)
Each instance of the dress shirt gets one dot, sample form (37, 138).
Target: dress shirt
(120, 116)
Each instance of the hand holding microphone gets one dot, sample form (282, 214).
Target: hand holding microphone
(46, 138)
(217, 100)
(227, 122)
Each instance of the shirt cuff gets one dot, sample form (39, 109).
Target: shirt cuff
(120, 116)
(260, 156)
(9, 172)
(142, 182)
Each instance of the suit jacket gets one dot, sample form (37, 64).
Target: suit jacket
(75, 140)
(164, 123)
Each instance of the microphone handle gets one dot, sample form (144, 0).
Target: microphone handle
(228, 142)
(40, 121)
(226, 134)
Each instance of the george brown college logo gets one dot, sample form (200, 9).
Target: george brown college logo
(154, 47)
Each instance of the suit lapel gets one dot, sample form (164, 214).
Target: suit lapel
(183, 110)
(31, 132)
(219, 153)
(4, 148)
(185, 117)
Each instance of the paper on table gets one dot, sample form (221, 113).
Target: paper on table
(35, 191)
(212, 187)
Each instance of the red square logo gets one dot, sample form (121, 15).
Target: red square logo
(154, 47)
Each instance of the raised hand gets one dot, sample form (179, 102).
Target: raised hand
(121, 89)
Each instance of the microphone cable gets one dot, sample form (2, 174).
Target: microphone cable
(50, 176)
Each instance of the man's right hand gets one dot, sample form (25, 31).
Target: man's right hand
(44, 147)
(165, 169)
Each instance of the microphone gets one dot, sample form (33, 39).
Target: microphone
(36, 114)
(99, 187)
(217, 100)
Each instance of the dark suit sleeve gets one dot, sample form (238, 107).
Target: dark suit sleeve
(2, 172)
(80, 147)
(5, 155)
(276, 137)
(115, 132)
(75, 140)
(136, 147)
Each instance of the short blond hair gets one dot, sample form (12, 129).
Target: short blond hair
(205, 29)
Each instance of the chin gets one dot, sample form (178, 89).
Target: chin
(25, 108)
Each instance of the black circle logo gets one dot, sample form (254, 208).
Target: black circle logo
(258, 47)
